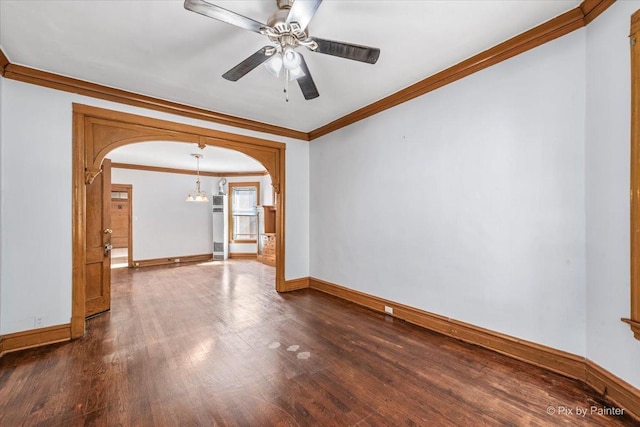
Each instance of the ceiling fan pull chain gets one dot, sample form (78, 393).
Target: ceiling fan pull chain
(286, 84)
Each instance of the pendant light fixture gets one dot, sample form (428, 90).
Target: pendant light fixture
(197, 196)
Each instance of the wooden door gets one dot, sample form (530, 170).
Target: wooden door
(98, 240)
(120, 215)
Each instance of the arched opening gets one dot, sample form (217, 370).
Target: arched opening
(97, 131)
(158, 226)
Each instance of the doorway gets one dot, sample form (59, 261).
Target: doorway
(121, 224)
(97, 131)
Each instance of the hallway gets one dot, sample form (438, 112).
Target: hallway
(214, 344)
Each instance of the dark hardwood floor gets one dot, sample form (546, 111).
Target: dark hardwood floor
(214, 344)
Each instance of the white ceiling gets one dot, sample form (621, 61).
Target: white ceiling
(158, 48)
(177, 155)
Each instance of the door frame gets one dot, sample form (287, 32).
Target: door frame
(97, 131)
(127, 188)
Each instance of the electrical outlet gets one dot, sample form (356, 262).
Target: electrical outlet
(38, 322)
(388, 310)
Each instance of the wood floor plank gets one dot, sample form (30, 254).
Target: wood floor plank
(214, 344)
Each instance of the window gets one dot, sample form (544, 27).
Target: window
(244, 198)
(119, 195)
(634, 321)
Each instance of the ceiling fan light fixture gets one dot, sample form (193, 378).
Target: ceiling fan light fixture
(290, 58)
(274, 65)
(296, 73)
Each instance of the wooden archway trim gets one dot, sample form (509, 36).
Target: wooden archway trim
(97, 131)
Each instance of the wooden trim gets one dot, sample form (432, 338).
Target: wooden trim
(196, 132)
(243, 255)
(550, 30)
(593, 8)
(536, 354)
(172, 260)
(79, 226)
(615, 389)
(185, 171)
(97, 131)
(295, 284)
(231, 186)
(634, 319)
(68, 84)
(561, 362)
(635, 23)
(4, 62)
(280, 202)
(34, 338)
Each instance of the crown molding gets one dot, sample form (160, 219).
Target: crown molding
(557, 27)
(185, 171)
(81, 87)
(550, 30)
(4, 61)
(593, 8)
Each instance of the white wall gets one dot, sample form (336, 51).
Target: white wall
(266, 198)
(298, 185)
(164, 225)
(610, 342)
(36, 154)
(467, 202)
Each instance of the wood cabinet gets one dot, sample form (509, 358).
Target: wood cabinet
(267, 243)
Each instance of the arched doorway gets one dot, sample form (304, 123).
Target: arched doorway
(97, 131)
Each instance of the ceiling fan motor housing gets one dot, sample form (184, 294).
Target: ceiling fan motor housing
(285, 4)
(287, 34)
(278, 21)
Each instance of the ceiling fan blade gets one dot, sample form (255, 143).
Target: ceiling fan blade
(307, 86)
(347, 50)
(248, 64)
(302, 11)
(216, 12)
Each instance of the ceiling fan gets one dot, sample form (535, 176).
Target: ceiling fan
(287, 30)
